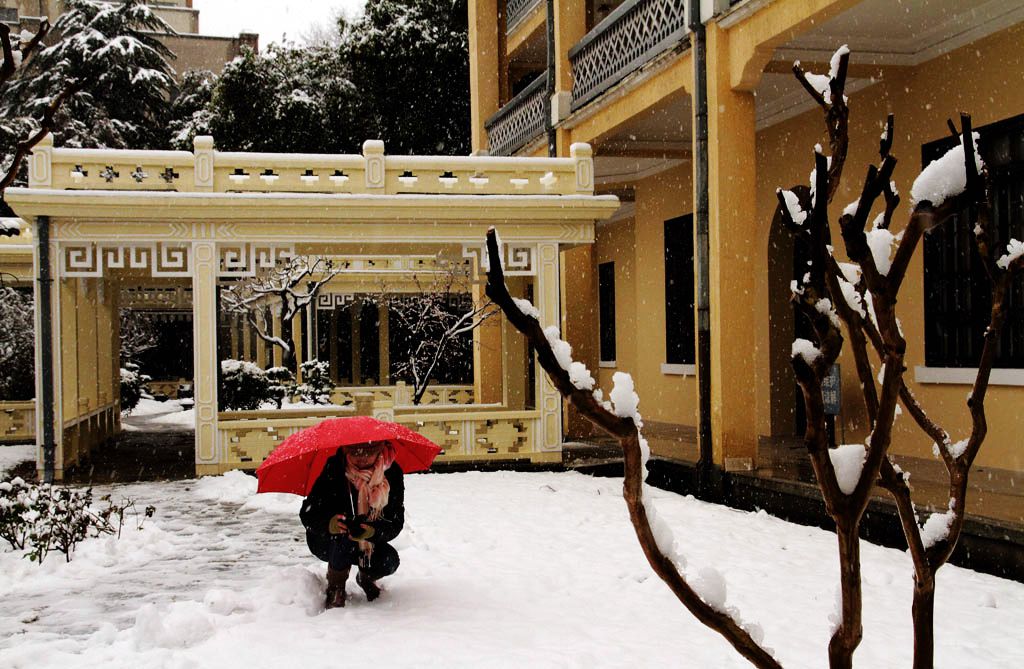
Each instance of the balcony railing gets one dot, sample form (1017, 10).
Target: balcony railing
(517, 10)
(206, 170)
(636, 32)
(521, 121)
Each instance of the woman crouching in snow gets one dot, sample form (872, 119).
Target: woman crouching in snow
(356, 506)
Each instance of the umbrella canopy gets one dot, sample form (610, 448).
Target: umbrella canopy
(297, 461)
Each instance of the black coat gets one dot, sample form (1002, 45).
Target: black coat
(333, 493)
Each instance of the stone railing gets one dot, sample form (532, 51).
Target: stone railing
(481, 435)
(372, 173)
(468, 433)
(401, 395)
(516, 11)
(521, 121)
(629, 37)
(247, 437)
(17, 422)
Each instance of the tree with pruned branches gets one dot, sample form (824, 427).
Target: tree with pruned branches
(284, 290)
(859, 298)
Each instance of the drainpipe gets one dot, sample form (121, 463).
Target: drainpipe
(552, 136)
(708, 477)
(45, 404)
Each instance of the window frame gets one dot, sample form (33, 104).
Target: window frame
(607, 343)
(953, 341)
(680, 318)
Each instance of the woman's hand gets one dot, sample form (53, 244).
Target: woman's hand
(337, 525)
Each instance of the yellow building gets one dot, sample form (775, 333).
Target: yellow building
(624, 78)
(193, 51)
(168, 230)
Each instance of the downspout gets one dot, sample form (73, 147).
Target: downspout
(45, 406)
(708, 479)
(551, 132)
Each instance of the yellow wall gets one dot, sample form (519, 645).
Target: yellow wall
(637, 247)
(922, 98)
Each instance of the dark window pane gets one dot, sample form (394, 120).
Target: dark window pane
(679, 305)
(606, 297)
(957, 291)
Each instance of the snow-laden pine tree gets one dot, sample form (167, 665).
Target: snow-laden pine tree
(19, 130)
(190, 110)
(409, 61)
(121, 73)
(399, 72)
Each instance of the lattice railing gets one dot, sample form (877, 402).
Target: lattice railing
(17, 421)
(630, 36)
(521, 121)
(517, 10)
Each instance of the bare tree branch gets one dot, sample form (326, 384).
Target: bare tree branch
(625, 430)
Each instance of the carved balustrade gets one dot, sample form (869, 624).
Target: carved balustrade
(629, 37)
(521, 121)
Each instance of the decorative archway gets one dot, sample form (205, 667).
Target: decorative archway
(209, 216)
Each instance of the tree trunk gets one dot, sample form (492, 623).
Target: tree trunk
(849, 632)
(924, 621)
(288, 355)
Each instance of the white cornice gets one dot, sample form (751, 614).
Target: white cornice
(956, 31)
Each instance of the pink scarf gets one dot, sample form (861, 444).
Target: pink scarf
(371, 483)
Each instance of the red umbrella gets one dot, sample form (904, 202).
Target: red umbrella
(297, 461)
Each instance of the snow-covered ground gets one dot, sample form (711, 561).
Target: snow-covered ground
(498, 570)
(152, 416)
(14, 454)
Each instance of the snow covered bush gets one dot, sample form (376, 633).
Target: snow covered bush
(316, 384)
(243, 386)
(40, 519)
(282, 384)
(133, 385)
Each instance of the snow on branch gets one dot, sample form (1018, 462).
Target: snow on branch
(1013, 256)
(620, 419)
(945, 177)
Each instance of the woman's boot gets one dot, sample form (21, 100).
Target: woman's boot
(336, 579)
(368, 585)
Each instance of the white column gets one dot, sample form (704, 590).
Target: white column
(204, 320)
(548, 398)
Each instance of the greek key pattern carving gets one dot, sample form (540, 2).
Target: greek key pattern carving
(518, 259)
(83, 260)
(245, 259)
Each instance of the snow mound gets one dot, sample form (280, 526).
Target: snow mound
(945, 177)
(579, 375)
(712, 588)
(1014, 250)
(233, 487)
(527, 308)
(848, 463)
(624, 397)
(937, 527)
(805, 348)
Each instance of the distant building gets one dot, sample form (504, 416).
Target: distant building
(194, 51)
